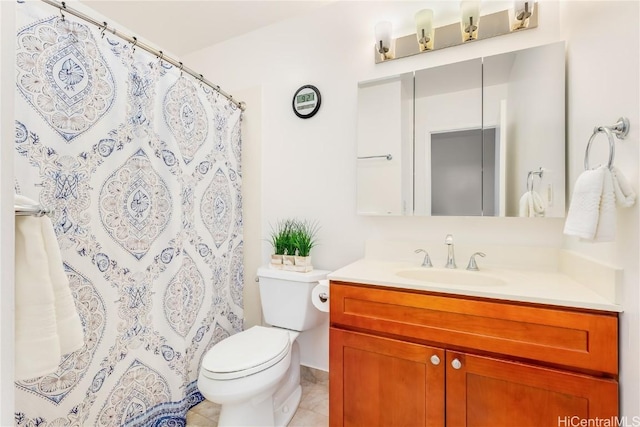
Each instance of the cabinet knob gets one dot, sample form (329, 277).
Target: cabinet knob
(456, 364)
(435, 360)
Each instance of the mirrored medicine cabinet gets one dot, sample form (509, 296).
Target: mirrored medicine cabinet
(465, 139)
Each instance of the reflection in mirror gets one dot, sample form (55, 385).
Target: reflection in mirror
(385, 146)
(524, 100)
(448, 140)
(488, 138)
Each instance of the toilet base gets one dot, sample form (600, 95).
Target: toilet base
(247, 414)
(261, 413)
(271, 407)
(286, 411)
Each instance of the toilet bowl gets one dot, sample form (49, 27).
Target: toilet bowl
(244, 372)
(255, 374)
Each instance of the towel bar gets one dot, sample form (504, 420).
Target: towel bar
(32, 211)
(385, 156)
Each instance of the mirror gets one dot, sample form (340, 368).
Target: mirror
(385, 146)
(448, 140)
(484, 137)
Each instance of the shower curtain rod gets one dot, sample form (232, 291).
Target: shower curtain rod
(133, 40)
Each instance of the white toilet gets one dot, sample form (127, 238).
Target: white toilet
(255, 374)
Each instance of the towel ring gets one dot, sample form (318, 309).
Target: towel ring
(530, 176)
(620, 129)
(612, 147)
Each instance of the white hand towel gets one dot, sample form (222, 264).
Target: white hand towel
(606, 230)
(531, 205)
(46, 322)
(68, 321)
(625, 196)
(524, 205)
(592, 212)
(584, 209)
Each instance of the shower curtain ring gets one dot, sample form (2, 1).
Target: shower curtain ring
(181, 67)
(133, 45)
(161, 56)
(64, 6)
(104, 28)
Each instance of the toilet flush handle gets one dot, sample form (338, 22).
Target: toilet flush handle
(323, 297)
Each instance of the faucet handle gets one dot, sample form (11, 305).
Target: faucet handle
(448, 240)
(472, 266)
(426, 262)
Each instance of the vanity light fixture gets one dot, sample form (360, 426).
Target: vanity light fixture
(470, 19)
(383, 40)
(424, 29)
(522, 11)
(519, 16)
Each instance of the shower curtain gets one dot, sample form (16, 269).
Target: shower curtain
(142, 167)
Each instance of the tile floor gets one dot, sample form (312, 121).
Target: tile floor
(312, 412)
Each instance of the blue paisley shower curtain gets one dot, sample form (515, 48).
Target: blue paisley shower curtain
(142, 167)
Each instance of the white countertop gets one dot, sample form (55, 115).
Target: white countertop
(542, 287)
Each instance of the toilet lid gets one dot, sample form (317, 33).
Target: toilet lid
(246, 353)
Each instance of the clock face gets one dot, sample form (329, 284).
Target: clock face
(306, 101)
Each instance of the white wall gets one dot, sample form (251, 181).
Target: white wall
(602, 87)
(309, 166)
(7, 136)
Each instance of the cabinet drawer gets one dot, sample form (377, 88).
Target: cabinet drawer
(585, 341)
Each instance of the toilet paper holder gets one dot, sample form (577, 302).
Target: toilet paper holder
(320, 296)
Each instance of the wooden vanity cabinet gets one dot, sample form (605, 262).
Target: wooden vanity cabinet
(384, 382)
(407, 358)
(492, 392)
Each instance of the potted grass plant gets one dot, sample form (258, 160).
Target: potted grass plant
(304, 237)
(292, 241)
(281, 241)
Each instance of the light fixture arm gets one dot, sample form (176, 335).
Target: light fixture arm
(382, 49)
(384, 40)
(469, 29)
(424, 29)
(525, 13)
(424, 39)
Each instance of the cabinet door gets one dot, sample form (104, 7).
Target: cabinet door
(377, 381)
(482, 391)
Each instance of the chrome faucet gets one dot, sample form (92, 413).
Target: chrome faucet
(451, 259)
(426, 262)
(473, 266)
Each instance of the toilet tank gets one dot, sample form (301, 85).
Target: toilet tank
(286, 298)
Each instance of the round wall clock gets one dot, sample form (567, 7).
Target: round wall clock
(306, 101)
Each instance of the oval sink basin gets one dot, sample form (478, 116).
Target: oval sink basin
(451, 277)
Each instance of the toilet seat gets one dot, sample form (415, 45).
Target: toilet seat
(246, 353)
